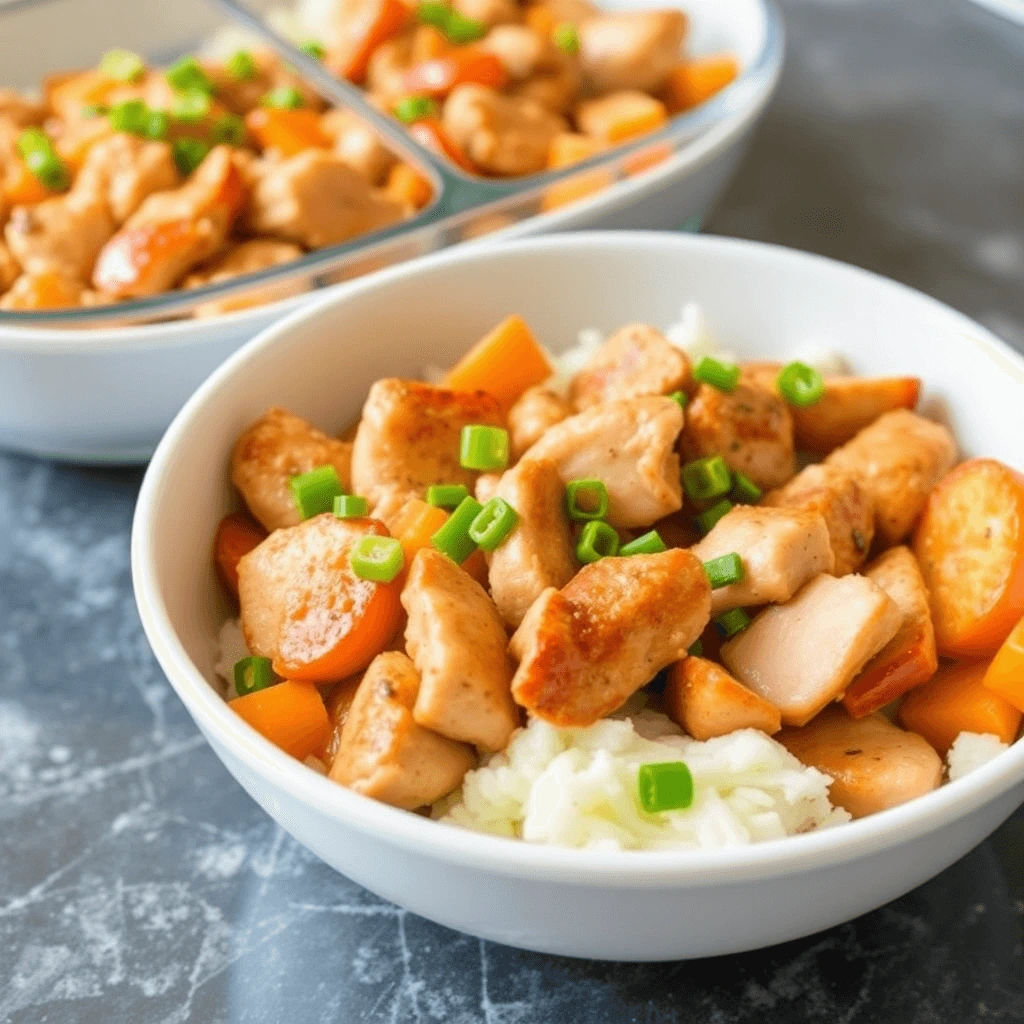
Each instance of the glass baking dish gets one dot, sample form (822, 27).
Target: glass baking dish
(464, 207)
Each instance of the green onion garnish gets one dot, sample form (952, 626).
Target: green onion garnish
(567, 38)
(241, 66)
(122, 65)
(414, 108)
(705, 479)
(42, 160)
(493, 523)
(453, 538)
(649, 543)
(313, 48)
(314, 492)
(189, 154)
(446, 495)
(229, 129)
(431, 12)
(461, 30)
(187, 74)
(483, 448)
(93, 110)
(131, 117)
(284, 97)
(377, 558)
(586, 500)
(680, 398)
(665, 786)
(724, 569)
(350, 506)
(744, 490)
(732, 622)
(597, 540)
(190, 107)
(723, 376)
(157, 124)
(800, 385)
(696, 649)
(710, 516)
(252, 674)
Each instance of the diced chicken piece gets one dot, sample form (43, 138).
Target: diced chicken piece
(339, 704)
(539, 552)
(630, 446)
(278, 446)
(602, 118)
(384, 753)
(802, 655)
(874, 764)
(126, 170)
(486, 487)
(782, 549)
(584, 649)
(909, 658)
(523, 51)
(574, 11)
(631, 49)
(555, 89)
(898, 460)
(317, 199)
(385, 76)
(20, 109)
(847, 508)
(247, 257)
(490, 12)
(536, 409)
(408, 437)
(10, 270)
(501, 134)
(458, 643)
(749, 427)
(706, 701)
(358, 144)
(637, 360)
(48, 289)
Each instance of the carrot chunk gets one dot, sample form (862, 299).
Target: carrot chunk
(23, 188)
(290, 132)
(291, 715)
(379, 22)
(465, 66)
(417, 522)
(698, 80)
(406, 185)
(430, 134)
(1005, 676)
(236, 536)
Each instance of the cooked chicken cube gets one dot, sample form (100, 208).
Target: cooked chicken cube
(535, 410)
(385, 76)
(384, 753)
(874, 764)
(630, 446)
(247, 257)
(706, 701)
(898, 460)
(557, 89)
(408, 438)
(631, 49)
(358, 144)
(802, 655)
(317, 199)
(278, 446)
(846, 506)
(523, 51)
(486, 487)
(751, 428)
(500, 134)
(458, 643)
(574, 11)
(584, 649)
(47, 289)
(781, 549)
(637, 360)
(602, 118)
(126, 170)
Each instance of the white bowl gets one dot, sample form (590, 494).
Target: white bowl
(762, 302)
(106, 394)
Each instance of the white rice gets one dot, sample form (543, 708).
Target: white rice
(971, 750)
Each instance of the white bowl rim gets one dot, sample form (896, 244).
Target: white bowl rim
(622, 869)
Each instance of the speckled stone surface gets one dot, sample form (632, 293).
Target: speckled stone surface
(138, 882)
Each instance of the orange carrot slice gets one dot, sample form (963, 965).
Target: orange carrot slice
(698, 80)
(380, 22)
(290, 132)
(466, 66)
(291, 715)
(1005, 676)
(236, 536)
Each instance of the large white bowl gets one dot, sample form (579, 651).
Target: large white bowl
(107, 394)
(762, 303)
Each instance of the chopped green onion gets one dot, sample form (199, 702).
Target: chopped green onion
(130, 116)
(229, 129)
(680, 398)
(431, 12)
(453, 538)
(42, 160)
(190, 107)
(313, 48)
(314, 492)
(493, 523)
(377, 558)
(483, 448)
(597, 540)
(649, 543)
(414, 108)
(252, 674)
(31, 140)
(732, 622)
(705, 479)
(586, 500)
(189, 154)
(567, 38)
(461, 30)
(801, 385)
(710, 516)
(744, 490)
(446, 495)
(284, 97)
(122, 65)
(241, 66)
(350, 506)
(157, 124)
(187, 74)
(665, 786)
(696, 649)
(724, 569)
(93, 110)
(723, 376)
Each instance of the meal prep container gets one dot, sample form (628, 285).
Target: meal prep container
(761, 302)
(77, 385)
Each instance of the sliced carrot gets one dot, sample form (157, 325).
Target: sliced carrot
(504, 363)
(430, 133)
(417, 522)
(541, 19)
(638, 122)
(621, 116)
(290, 132)
(697, 80)
(970, 545)
(379, 22)
(22, 187)
(407, 186)
(957, 701)
(236, 536)
(1005, 676)
(465, 66)
(291, 715)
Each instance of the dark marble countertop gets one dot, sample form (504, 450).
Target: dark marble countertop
(138, 883)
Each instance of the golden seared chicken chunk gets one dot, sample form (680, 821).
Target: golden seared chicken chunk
(585, 649)
(126, 170)
(458, 643)
(500, 134)
(278, 446)
(898, 460)
(631, 49)
(781, 550)
(846, 506)
(751, 428)
(535, 410)
(358, 145)
(408, 438)
(637, 360)
(247, 257)
(384, 753)
(45, 289)
(539, 552)
(630, 446)
(873, 764)
(800, 656)
(521, 50)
